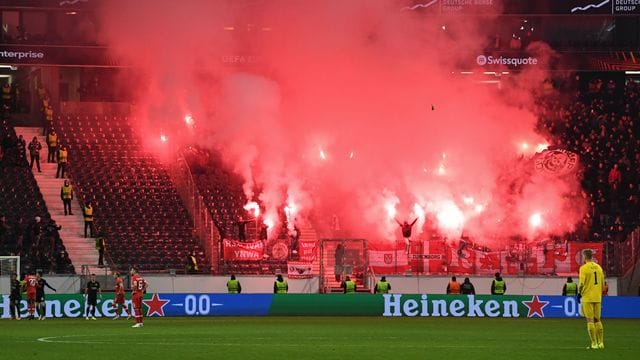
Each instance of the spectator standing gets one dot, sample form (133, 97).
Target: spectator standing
(453, 287)
(498, 286)
(52, 145)
(66, 194)
(233, 285)
(615, 177)
(34, 152)
(467, 287)
(101, 246)
(192, 262)
(63, 160)
(605, 289)
(406, 233)
(242, 228)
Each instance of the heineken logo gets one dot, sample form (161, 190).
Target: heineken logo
(462, 306)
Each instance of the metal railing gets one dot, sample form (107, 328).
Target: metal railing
(203, 224)
(623, 256)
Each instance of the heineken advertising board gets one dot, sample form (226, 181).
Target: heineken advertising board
(389, 305)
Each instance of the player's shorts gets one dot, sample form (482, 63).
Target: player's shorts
(92, 300)
(136, 299)
(31, 296)
(591, 310)
(40, 297)
(119, 299)
(15, 297)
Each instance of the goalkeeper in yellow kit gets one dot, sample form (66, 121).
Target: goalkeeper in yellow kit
(590, 290)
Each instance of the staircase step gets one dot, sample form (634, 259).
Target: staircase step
(81, 250)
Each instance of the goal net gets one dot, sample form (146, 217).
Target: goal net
(8, 265)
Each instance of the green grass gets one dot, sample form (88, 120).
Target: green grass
(314, 338)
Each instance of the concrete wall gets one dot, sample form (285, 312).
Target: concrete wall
(264, 284)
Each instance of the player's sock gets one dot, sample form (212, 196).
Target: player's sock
(591, 329)
(599, 333)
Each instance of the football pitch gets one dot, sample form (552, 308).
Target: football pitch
(314, 338)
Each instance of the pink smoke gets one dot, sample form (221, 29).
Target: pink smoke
(343, 108)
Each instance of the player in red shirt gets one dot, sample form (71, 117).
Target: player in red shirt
(118, 301)
(138, 288)
(31, 286)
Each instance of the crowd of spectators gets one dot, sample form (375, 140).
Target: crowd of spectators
(601, 123)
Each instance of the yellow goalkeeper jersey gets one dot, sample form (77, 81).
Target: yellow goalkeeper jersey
(591, 282)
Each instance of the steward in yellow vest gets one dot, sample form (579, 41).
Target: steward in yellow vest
(280, 286)
(233, 285)
(349, 286)
(88, 219)
(570, 288)
(382, 287)
(498, 286)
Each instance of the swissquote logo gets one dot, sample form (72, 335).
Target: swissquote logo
(483, 60)
(469, 306)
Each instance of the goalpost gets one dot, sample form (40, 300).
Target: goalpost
(8, 265)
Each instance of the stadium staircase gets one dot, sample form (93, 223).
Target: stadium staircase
(82, 251)
(137, 208)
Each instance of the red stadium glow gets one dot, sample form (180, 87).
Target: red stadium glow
(535, 220)
(390, 207)
(188, 119)
(449, 216)
(253, 207)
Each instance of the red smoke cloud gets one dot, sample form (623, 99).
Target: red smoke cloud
(343, 108)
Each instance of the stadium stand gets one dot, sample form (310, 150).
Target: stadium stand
(136, 206)
(602, 127)
(21, 203)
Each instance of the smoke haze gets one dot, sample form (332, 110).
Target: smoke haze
(346, 109)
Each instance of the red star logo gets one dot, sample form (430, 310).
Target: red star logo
(535, 306)
(155, 305)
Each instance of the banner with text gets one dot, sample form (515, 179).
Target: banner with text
(237, 250)
(392, 305)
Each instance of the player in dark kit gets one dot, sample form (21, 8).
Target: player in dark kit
(15, 297)
(91, 291)
(138, 288)
(40, 296)
(30, 284)
(118, 301)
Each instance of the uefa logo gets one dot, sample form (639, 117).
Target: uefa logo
(481, 60)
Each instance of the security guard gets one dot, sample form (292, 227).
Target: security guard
(280, 286)
(498, 286)
(453, 287)
(348, 286)
(570, 288)
(382, 287)
(52, 143)
(88, 219)
(66, 194)
(233, 285)
(63, 155)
